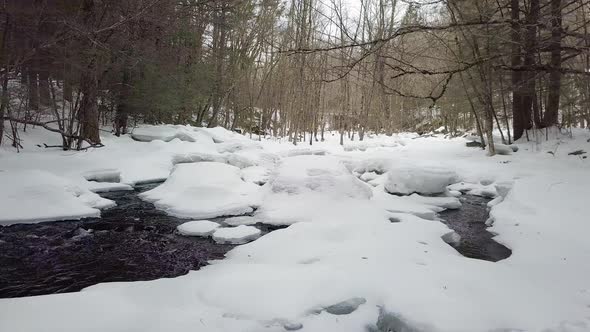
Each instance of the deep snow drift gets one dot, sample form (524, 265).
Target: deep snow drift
(354, 257)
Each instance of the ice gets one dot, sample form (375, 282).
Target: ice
(204, 190)
(422, 180)
(236, 235)
(197, 228)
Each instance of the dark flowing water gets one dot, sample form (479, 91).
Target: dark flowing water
(469, 222)
(132, 241)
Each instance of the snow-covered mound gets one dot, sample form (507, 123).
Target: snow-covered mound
(307, 182)
(427, 180)
(164, 133)
(205, 190)
(318, 174)
(197, 228)
(236, 235)
(35, 196)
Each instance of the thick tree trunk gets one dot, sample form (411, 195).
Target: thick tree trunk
(88, 113)
(530, 44)
(518, 119)
(552, 109)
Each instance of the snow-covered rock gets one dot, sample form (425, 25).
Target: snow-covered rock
(256, 174)
(406, 180)
(103, 175)
(476, 189)
(164, 133)
(236, 235)
(204, 190)
(197, 228)
(345, 307)
(503, 149)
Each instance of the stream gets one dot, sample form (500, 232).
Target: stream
(130, 242)
(133, 241)
(469, 222)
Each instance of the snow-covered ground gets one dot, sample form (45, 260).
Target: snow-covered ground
(342, 261)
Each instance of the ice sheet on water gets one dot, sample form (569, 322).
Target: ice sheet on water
(236, 235)
(197, 228)
(240, 220)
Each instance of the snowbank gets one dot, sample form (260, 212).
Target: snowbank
(36, 196)
(351, 246)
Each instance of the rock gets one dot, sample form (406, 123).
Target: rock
(345, 307)
(473, 144)
(390, 322)
(576, 153)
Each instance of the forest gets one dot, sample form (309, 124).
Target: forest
(291, 68)
(294, 165)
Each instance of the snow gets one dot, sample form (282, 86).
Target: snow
(35, 196)
(241, 220)
(204, 190)
(419, 179)
(236, 235)
(348, 237)
(197, 228)
(163, 133)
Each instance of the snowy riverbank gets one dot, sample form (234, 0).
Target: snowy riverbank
(340, 244)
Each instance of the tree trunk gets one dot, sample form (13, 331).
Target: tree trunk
(518, 118)
(88, 113)
(530, 44)
(552, 108)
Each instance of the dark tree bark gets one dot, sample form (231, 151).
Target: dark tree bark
(530, 43)
(88, 113)
(551, 112)
(220, 36)
(122, 112)
(518, 119)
